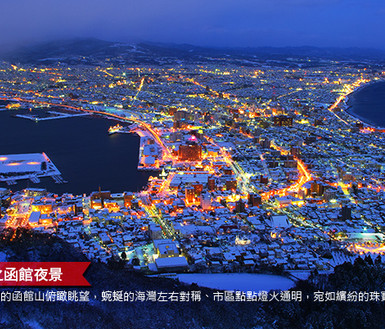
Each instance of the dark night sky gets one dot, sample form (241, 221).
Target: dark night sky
(341, 23)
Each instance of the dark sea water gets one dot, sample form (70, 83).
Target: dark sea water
(80, 148)
(368, 104)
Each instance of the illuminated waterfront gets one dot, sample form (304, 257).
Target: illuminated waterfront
(252, 178)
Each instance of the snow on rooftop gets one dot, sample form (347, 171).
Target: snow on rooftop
(171, 262)
(17, 163)
(24, 166)
(34, 217)
(280, 221)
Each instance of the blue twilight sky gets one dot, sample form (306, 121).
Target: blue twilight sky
(245, 23)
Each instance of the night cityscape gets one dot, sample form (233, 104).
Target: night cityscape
(242, 181)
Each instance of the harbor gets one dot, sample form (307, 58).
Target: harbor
(87, 158)
(149, 152)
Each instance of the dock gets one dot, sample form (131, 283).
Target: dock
(32, 166)
(57, 115)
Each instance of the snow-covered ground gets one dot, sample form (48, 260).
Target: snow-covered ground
(300, 274)
(238, 281)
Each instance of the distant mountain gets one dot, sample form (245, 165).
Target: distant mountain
(96, 52)
(66, 51)
(304, 51)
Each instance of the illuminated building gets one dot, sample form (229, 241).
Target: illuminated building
(254, 199)
(205, 199)
(35, 192)
(190, 152)
(45, 219)
(115, 129)
(99, 197)
(96, 204)
(198, 188)
(277, 111)
(190, 194)
(317, 188)
(114, 218)
(231, 184)
(213, 151)
(128, 196)
(13, 106)
(112, 206)
(44, 208)
(211, 184)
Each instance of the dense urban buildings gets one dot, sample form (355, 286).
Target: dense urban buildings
(260, 166)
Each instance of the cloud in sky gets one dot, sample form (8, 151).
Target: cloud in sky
(201, 22)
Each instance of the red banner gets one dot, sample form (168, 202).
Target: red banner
(43, 273)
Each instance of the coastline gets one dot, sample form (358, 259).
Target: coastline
(349, 108)
(86, 158)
